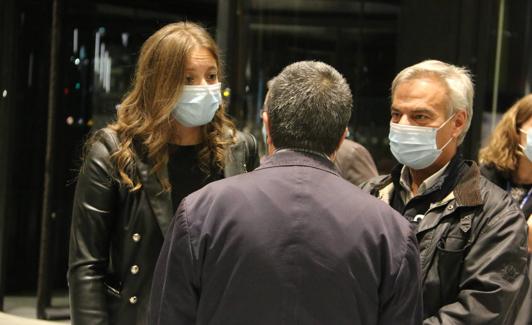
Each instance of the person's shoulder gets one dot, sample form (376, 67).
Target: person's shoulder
(493, 174)
(376, 182)
(371, 208)
(497, 207)
(352, 145)
(101, 143)
(106, 137)
(493, 196)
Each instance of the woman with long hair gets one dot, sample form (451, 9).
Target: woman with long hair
(507, 162)
(170, 138)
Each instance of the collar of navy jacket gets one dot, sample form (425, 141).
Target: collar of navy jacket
(297, 157)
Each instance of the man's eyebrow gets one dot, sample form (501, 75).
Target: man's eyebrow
(415, 110)
(422, 110)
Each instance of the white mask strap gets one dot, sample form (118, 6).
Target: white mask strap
(450, 117)
(445, 145)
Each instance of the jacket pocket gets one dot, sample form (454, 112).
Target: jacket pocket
(111, 291)
(450, 252)
(113, 299)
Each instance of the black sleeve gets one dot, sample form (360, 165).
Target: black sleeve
(92, 220)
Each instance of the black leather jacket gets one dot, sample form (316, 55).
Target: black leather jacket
(473, 246)
(117, 234)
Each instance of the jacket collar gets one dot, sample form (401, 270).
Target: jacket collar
(296, 157)
(465, 174)
(467, 191)
(160, 201)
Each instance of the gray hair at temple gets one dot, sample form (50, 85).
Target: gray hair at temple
(309, 105)
(457, 80)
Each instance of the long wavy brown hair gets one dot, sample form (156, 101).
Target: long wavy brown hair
(144, 116)
(503, 151)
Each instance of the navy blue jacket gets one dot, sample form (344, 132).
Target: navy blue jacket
(289, 243)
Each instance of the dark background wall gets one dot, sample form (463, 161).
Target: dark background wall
(368, 41)
(23, 64)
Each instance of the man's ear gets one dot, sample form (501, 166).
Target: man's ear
(266, 121)
(459, 123)
(269, 142)
(342, 138)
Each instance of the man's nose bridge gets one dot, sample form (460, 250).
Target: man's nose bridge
(403, 120)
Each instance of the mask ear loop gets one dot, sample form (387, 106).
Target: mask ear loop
(450, 118)
(523, 148)
(445, 145)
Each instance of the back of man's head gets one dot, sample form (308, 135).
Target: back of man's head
(309, 105)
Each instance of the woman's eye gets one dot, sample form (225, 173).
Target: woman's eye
(212, 76)
(189, 80)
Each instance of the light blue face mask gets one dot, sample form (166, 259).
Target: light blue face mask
(527, 149)
(197, 105)
(415, 146)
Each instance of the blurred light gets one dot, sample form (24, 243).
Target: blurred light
(4, 93)
(102, 62)
(78, 86)
(80, 121)
(96, 51)
(125, 38)
(226, 92)
(75, 40)
(82, 52)
(107, 84)
(69, 120)
(65, 91)
(90, 122)
(76, 61)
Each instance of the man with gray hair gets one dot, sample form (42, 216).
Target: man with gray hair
(291, 242)
(472, 238)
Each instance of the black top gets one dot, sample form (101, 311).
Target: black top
(184, 173)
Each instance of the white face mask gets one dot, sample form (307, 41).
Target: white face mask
(527, 148)
(197, 104)
(415, 146)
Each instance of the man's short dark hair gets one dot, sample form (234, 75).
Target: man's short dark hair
(309, 105)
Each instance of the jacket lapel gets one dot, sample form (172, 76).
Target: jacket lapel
(160, 201)
(235, 159)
